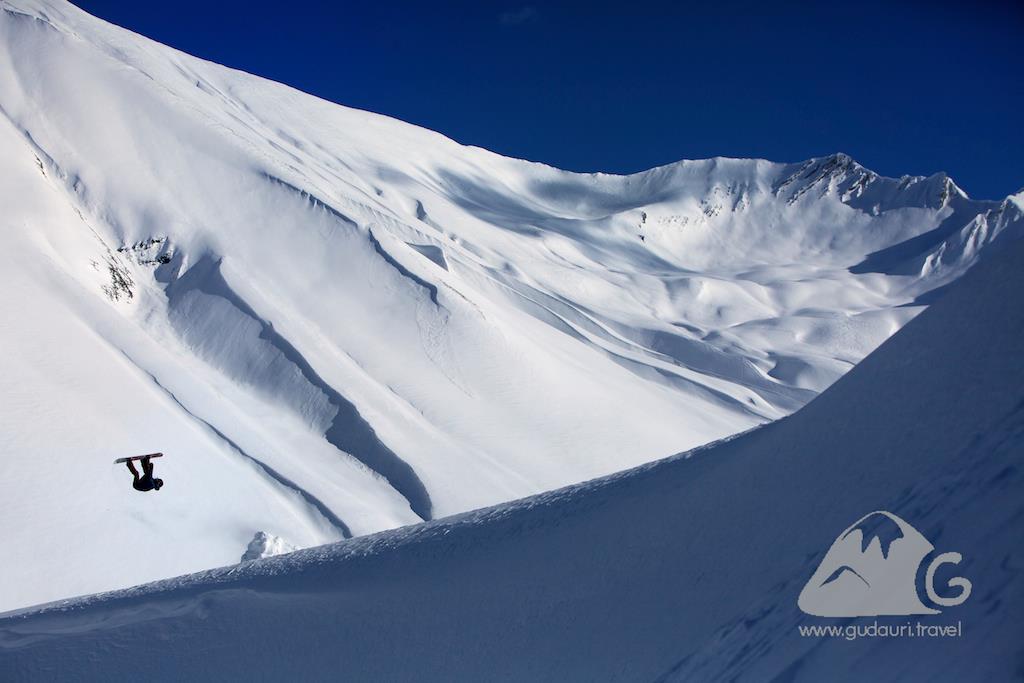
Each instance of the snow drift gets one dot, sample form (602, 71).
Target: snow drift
(334, 323)
(685, 569)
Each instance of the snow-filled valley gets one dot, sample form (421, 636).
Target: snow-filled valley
(333, 323)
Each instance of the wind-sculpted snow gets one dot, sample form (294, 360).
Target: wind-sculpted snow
(664, 572)
(201, 299)
(380, 325)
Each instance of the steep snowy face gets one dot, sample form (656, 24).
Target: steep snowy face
(332, 322)
(713, 565)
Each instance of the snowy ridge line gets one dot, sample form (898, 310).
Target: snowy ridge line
(348, 431)
(428, 534)
(271, 473)
(584, 327)
(319, 203)
(431, 289)
(788, 171)
(978, 470)
(311, 198)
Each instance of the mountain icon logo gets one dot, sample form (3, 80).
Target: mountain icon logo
(872, 568)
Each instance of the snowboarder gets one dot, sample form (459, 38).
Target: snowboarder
(146, 482)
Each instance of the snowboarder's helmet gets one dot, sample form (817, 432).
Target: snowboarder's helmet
(157, 483)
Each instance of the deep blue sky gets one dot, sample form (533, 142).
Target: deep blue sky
(909, 87)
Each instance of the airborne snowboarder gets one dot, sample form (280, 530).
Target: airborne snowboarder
(147, 482)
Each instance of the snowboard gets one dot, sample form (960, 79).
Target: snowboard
(139, 457)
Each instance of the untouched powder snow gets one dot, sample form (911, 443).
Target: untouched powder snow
(684, 569)
(334, 323)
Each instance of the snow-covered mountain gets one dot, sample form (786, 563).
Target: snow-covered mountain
(333, 323)
(687, 569)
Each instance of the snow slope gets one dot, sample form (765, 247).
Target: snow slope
(335, 323)
(684, 569)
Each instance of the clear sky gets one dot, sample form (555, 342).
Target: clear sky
(903, 87)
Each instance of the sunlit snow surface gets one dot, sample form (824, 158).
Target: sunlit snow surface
(334, 323)
(687, 569)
